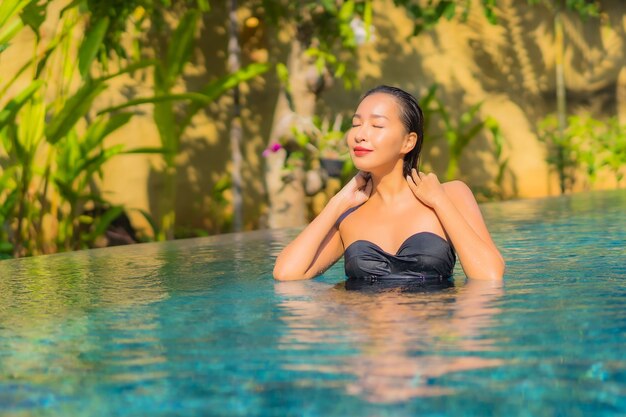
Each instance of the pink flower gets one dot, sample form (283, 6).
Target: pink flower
(274, 147)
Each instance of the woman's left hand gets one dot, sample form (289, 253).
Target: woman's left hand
(426, 187)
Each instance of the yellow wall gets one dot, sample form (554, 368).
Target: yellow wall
(510, 67)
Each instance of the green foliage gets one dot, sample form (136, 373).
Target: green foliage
(10, 22)
(315, 139)
(89, 48)
(325, 30)
(586, 146)
(457, 131)
(171, 124)
(584, 8)
(78, 160)
(74, 109)
(218, 206)
(73, 137)
(49, 160)
(7, 115)
(124, 16)
(34, 15)
(561, 151)
(612, 139)
(426, 16)
(173, 55)
(498, 142)
(170, 117)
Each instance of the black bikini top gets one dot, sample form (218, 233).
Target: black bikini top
(423, 256)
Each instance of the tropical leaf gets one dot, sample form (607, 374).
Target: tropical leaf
(90, 46)
(203, 5)
(94, 198)
(168, 129)
(467, 137)
(151, 221)
(367, 19)
(10, 9)
(469, 115)
(101, 128)
(158, 99)
(148, 150)
(180, 48)
(90, 165)
(7, 32)
(67, 28)
(102, 223)
(445, 9)
(69, 155)
(15, 77)
(488, 6)
(131, 68)
(6, 208)
(346, 11)
(65, 189)
(31, 126)
(34, 14)
(73, 4)
(75, 108)
(8, 114)
(429, 97)
(216, 88)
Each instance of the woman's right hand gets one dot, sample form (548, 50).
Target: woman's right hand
(357, 191)
(319, 245)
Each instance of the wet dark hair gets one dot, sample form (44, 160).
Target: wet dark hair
(412, 118)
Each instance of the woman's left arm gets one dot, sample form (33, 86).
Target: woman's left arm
(462, 220)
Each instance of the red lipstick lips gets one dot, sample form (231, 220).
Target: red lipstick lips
(360, 151)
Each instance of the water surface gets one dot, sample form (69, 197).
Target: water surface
(199, 327)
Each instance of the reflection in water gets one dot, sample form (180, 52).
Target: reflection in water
(395, 344)
(199, 327)
(50, 310)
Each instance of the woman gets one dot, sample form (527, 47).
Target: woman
(392, 223)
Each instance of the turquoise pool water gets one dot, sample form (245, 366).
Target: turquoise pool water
(199, 327)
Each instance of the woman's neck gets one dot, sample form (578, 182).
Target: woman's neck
(389, 187)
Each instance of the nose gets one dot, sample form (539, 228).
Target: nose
(358, 134)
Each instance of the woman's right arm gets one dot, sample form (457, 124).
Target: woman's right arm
(319, 245)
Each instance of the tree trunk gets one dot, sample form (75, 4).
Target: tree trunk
(560, 95)
(621, 96)
(236, 133)
(287, 206)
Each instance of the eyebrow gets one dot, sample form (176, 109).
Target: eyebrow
(374, 116)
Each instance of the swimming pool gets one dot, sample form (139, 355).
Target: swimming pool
(199, 327)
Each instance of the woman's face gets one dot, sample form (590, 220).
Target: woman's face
(378, 139)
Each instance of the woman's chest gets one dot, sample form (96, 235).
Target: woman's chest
(389, 228)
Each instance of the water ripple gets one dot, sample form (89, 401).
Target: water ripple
(199, 327)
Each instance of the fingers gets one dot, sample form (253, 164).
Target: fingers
(368, 187)
(419, 176)
(365, 175)
(360, 179)
(416, 176)
(411, 183)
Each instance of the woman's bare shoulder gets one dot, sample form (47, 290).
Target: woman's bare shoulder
(457, 190)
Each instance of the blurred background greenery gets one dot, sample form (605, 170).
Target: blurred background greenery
(130, 121)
